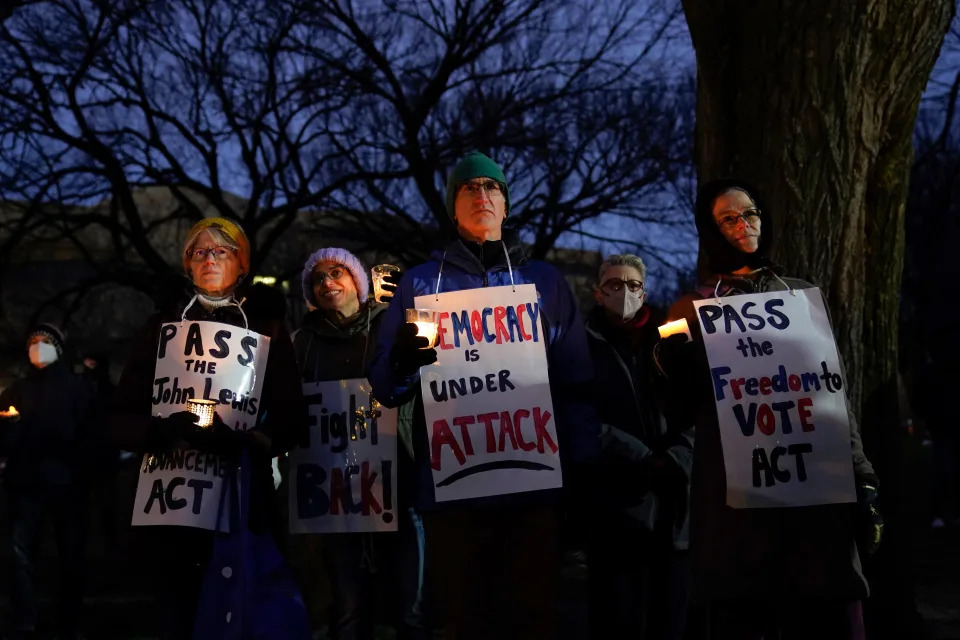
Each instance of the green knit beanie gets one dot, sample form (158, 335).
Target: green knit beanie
(474, 165)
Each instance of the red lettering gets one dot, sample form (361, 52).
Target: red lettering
(794, 382)
(766, 421)
(506, 429)
(735, 385)
(443, 436)
(368, 501)
(442, 330)
(336, 491)
(540, 421)
(487, 420)
(462, 422)
(476, 325)
(520, 309)
(765, 386)
(803, 408)
(519, 415)
(499, 315)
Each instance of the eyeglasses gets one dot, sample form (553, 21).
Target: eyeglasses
(491, 187)
(218, 254)
(334, 274)
(615, 285)
(729, 219)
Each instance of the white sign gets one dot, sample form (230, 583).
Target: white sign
(198, 360)
(489, 414)
(775, 376)
(346, 480)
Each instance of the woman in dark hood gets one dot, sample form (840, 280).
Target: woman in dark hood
(807, 555)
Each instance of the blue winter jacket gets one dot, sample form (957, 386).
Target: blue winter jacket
(568, 357)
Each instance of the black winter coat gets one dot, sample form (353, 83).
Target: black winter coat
(49, 444)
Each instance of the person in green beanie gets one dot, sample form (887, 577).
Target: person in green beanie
(492, 560)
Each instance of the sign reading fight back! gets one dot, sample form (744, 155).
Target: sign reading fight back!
(487, 404)
(346, 479)
(198, 360)
(775, 375)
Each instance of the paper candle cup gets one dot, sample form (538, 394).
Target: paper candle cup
(677, 326)
(203, 409)
(426, 321)
(377, 274)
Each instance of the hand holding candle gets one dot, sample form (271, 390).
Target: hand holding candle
(409, 352)
(426, 321)
(203, 409)
(380, 276)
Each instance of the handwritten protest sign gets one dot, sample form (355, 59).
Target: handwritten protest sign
(346, 480)
(198, 360)
(487, 404)
(775, 375)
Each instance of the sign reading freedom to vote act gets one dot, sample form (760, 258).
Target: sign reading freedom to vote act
(489, 414)
(207, 360)
(775, 375)
(346, 480)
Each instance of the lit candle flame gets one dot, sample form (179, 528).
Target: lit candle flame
(427, 330)
(12, 411)
(671, 328)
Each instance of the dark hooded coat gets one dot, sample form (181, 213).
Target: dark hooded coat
(758, 553)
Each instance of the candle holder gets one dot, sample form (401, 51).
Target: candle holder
(203, 409)
(672, 328)
(377, 274)
(426, 321)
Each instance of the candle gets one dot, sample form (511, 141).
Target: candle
(427, 330)
(10, 413)
(677, 326)
(378, 273)
(203, 410)
(426, 321)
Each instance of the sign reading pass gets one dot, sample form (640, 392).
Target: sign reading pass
(198, 360)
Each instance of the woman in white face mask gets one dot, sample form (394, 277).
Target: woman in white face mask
(621, 292)
(44, 480)
(638, 573)
(42, 350)
(44, 345)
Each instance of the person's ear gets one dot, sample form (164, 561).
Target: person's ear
(597, 294)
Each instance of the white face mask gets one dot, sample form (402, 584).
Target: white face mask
(41, 354)
(624, 302)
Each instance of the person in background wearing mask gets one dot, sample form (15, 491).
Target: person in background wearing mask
(45, 451)
(638, 567)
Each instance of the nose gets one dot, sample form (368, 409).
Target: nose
(208, 258)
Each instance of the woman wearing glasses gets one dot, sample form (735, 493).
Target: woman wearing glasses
(791, 572)
(216, 260)
(636, 546)
(336, 343)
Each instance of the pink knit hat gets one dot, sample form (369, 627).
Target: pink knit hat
(340, 256)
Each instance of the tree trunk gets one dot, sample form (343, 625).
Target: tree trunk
(815, 102)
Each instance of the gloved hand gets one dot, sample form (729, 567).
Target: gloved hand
(218, 438)
(407, 354)
(164, 434)
(676, 357)
(869, 522)
(389, 285)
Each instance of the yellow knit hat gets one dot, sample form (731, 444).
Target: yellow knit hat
(230, 229)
